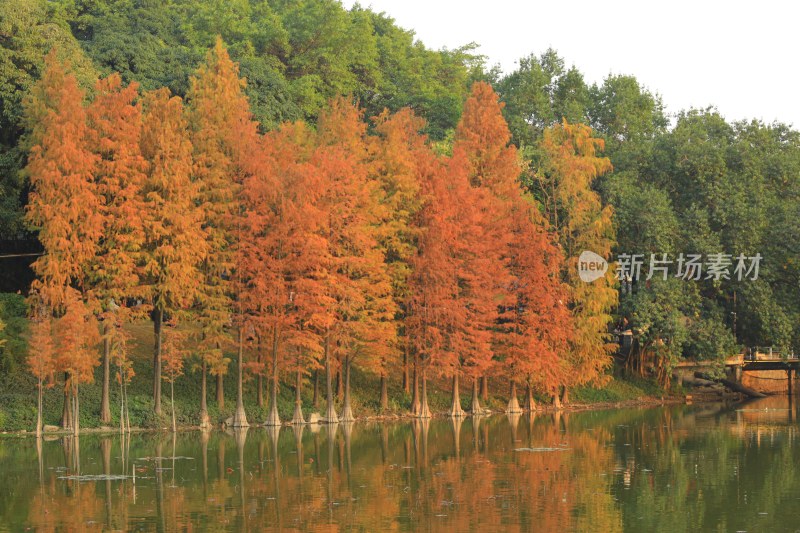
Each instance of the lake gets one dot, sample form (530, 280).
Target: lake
(703, 467)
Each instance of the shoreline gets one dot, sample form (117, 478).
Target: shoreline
(644, 402)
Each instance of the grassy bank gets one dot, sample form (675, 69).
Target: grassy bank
(18, 393)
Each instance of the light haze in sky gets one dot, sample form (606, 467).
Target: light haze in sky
(741, 57)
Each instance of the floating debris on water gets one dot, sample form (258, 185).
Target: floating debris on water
(177, 457)
(99, 477)
(540, 449)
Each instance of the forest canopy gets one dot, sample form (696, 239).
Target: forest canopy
(216, 117)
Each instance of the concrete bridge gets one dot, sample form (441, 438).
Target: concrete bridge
(754, 360)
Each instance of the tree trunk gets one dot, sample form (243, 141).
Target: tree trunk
(415, 403)
(127, 410)
(406, 384)
(330, 415)
(456, 410)
(315, 400)
(424, 410)
(39, 410)
(513, 403)
(158, 319)
(485, 388)
(273, 418)
(239, 416)
(340, 384)
(172, 404)
(76, 419)
(298, 400)
(105, 401)
(530, 403)
(384, 395)
(220, 391)
(557, 400)
(260, 390)
(565, 396)
(205, 423)
(476, 403)
(121, 401)
(260, 377)
(66, 412)
(347, 411)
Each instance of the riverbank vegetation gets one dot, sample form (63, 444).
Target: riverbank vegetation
(299, 197)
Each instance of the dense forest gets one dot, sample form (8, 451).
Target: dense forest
(286, 188)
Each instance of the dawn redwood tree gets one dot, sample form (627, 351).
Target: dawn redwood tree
(535, 325)
(533, 319)
(482, 143)
(280, 254)
(398, 148)
(567, 170)
(481, 152)
(479, 278)
(174, 240)
(360, 310)
(263, 264)
(300, 185)
(173, 354)
(114, 119)
(434, 313)
(120, 355)
(63, 206)
(41, 359)
(78, 336)
(224, 137)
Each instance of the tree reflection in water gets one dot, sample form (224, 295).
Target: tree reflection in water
(676, 468)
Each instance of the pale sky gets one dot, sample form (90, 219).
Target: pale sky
(741, 57)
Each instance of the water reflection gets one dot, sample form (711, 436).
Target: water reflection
(682, 468)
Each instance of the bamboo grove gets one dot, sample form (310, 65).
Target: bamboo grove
(356, 243)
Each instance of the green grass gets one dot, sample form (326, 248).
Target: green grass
(616, 390)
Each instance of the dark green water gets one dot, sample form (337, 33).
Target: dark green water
(679, 468)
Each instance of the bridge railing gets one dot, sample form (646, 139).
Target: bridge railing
(768, 353)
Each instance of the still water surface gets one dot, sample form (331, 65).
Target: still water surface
(677, 468)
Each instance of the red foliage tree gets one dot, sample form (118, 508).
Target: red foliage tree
(357, 322)
(533, 324)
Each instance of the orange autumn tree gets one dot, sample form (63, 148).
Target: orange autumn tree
(479, 169)
(78, 335)
(114, 118)
(280, 252)
(263, 264)
(567, 170)
(478, 273)
(535, 325)
(41, 359)
(173, 356)
(533, 322)
(224, 137)
(174, 240)
(357, 323)
(434, 311)
(64, 208)
(398, 147)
